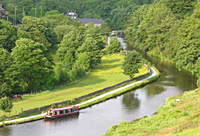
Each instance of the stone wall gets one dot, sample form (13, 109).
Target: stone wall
(81, 97)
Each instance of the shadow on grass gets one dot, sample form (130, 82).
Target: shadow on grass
(110, 61)
(90, 80)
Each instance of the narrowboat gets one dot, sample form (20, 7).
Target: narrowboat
(60, 112)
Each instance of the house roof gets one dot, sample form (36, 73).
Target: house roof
(2, 9)
(88, 20)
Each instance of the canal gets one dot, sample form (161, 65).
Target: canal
(95, 121)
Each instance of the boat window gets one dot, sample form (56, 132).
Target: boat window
(61, 112)
(56, 113)
(68, 111)
(75, 109)
(51, 112)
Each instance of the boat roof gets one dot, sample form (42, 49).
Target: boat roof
(65, 108)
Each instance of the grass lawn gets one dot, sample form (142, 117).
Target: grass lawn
(108, 73)
(174, 118)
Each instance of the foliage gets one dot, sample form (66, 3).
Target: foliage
(5, 104)
(188, 54)
(9, 77)
(38, 30)
(8, 35)
(108, 73)
(62, 30)
(115, 46)
(181, 7)
(132, 63)
(52, 12)
(33, 64)
(174, 115)
(117, 11)
(169, 29)
(92, 50)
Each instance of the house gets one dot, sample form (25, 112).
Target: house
(71, 14)
(96, 22)
(2, 12)
(85, 21)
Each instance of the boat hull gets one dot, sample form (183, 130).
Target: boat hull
(60, 116)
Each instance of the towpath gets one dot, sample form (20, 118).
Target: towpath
(101, 96)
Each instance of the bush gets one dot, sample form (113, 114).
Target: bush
(5, 104)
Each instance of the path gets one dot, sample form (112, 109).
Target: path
(101, 96)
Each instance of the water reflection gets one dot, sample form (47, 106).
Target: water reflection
(96, 120)
(154, 89)
(130, 100)
(61, 119)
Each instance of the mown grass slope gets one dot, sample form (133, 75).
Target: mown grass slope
(174, 118)
(108, 73)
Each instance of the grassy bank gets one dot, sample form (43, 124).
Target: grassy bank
(106, 74)
(174, 118)
(124, 90)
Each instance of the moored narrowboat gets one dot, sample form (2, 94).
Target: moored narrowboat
(60, 112)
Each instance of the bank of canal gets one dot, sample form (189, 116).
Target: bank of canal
(95, 120)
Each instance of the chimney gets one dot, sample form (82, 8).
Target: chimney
(75, 11)
(0, 5)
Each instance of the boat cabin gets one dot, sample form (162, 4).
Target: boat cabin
(64, 111)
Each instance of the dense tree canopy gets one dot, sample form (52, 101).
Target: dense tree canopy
(168, 29)
(32, 63)
(8, 35)
(115, 12)
(132, 63)
(115, 46)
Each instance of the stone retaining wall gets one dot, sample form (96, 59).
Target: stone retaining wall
(81, 97)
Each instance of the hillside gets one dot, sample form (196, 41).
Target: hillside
(168, 29)
(174, 118)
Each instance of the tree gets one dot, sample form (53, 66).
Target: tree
(187, 54)
(38, 30)
(5, 104)
(72, 40)
(84, 59)
(90, 47)
(132, 63)
(115, 46)
(49, 5)
(62, 30)
(9, 78)
(8, 35)
(4, 90)
(33, 64)
(27, 4)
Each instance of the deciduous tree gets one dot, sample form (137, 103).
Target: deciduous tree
(132, 63)
(33, 64)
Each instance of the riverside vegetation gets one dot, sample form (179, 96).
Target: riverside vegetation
(168, 29)
(174, 118)
(106, 74)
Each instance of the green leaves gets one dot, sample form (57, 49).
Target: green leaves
(5, 104)
(132, 63)
(115, 46)
(8, 35)
(32, 63)
(90, 47)
(188, 54)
